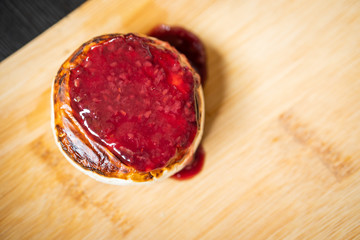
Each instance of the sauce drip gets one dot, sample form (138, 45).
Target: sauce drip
(185, 42)
(194, 167)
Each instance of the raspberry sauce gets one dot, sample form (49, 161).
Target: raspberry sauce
(185, 42)
(134, 97)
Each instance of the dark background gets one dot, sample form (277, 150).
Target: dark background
(21, 20)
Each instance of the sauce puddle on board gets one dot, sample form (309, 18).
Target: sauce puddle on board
(194, 167)
(191, 46)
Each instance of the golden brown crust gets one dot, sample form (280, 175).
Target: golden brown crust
(93, 158)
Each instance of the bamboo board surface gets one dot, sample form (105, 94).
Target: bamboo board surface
(282, 129)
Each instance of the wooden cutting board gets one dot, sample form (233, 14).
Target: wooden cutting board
(282, 129)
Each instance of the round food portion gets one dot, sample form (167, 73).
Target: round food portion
(127, 108)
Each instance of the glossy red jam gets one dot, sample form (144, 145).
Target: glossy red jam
(194, 167)
(185, 42)
(134, 97)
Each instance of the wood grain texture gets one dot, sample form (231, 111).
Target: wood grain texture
(282, 129)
